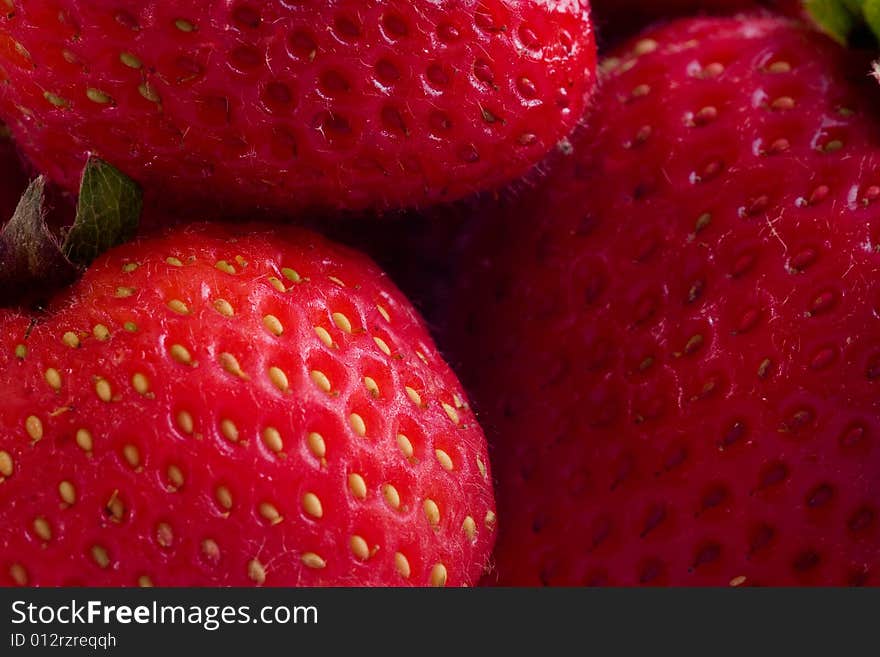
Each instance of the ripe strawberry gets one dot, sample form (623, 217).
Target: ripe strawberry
(219, 408)
(675, 340)
(342, 105)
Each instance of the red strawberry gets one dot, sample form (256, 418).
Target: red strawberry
(220, 408)
(676, 340)
(280, 105)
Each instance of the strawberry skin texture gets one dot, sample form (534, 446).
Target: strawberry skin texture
(217, 408)
(674, 341)
(289, 106)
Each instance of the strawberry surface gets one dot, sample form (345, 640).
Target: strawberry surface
(674, 340)
(291, 105)
(226, 407)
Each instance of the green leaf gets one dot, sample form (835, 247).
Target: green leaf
(31, 261)
(837, 18)
(107, 214)
(34, 263)
(843, 19)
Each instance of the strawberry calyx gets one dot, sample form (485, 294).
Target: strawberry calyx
(34, 261)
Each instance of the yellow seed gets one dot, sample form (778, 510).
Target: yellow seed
(124, 292)
(451, 413)
(273, 325)
(67, 492)
(174, 262)
(116, 507)
(145, 582)
(140, 383)
(469, 527)
(130, 60)
(101, 332)
(371, 386)
(833, 146)
(432, 512)
(225, 267)
(147, 91)
(164, 534)
(312, 505)
(357, 485)
(780, 67)
(224, 497)
(316, 445)
(42, 528)
(5, 464)
(645, 46)
(338, 281)
(405, 445)
(383, 312)
(342, 322)
(272, 439)
(178, 306)
(55, 99)
(489, 520)
(184, 25)
(18, 574)
(291, 274)
(175, 476)
(97, 96)
(438, 575)
(324, 336)
(482, 468)
(414, 396)
(270, 513)
(129, 267)
(181, 354)
(84, 440)
(401, 564)
(103, 390)
(132, 455)
(277, 284)
(185, 422)
(223, 307)
(70, 339)
(320, 379)
(34, 427)
(359, 547)
(53, 378)
(131, 327)
(641, 90)
(210, 549)
(20, 351)
(358, 425)
(99, 554)
(279, 379)
(391, 496)
(382, 345)
(229, 430)
(257, 572)
(444, 459)
(230, 363)
(312, 560)
(738, 581)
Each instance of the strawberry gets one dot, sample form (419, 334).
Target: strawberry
(234, 407)
(286, 106)
(674, 340)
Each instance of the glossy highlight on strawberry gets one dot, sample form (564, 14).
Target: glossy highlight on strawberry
(673, 340)
(291, 105)
(235, 406)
